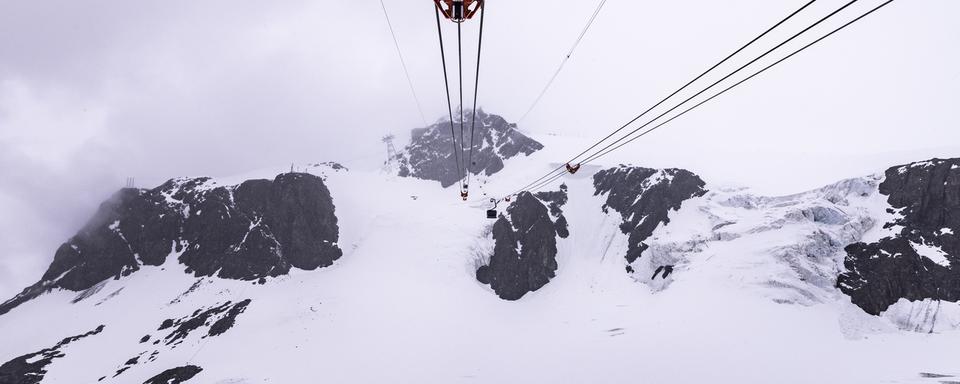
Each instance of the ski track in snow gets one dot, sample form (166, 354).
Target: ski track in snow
(402, 306)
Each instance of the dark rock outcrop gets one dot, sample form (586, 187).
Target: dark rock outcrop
(921, 260)
(665, 269)
(30, 368)
(525, 245)
(126, 366)
(219, 319)
(644, 197)
(430, 154)
(203, 323)
(175, 375)
(258, 229)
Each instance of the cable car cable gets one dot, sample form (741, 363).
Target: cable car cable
(403, 64)
(601, 154)
(564, 61)
(744, 80)
(462, 137)
(545, 183)
(730, 74)
(446, 84)
(476, 86)
(615, 142)
(561, 167)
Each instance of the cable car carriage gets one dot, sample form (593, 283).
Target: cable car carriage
(492, 212)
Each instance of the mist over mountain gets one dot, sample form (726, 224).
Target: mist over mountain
(462, 192)
(164, 283)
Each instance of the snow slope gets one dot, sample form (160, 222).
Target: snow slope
(745, 305)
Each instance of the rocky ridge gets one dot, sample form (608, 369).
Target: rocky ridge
(919, 257)
(523, 258)
(430, 154)
(250, 231)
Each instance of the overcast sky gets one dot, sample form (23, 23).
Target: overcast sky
(94, 91)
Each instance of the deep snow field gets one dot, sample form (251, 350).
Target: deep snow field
(403, 305)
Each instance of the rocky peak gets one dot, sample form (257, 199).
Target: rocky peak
(430, 155)
(919, 258)
(250, 231)
(644, 197)
(525, 244)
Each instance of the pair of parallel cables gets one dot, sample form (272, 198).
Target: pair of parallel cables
(630, 136)
(463, 161)
(462, 156)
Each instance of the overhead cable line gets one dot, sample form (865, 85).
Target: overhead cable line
(545, 182)
(403, 63)
(446, 83)
(742, 67)
(466, 167)
(476, 87)
(706, 88)
(603, 153)
(564, 61)
(599, 155)
(698, 77)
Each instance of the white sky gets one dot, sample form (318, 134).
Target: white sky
(94, 91)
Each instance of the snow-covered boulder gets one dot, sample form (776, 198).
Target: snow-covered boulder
(430, 154)
(919, 258)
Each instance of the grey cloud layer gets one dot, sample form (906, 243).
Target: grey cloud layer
(94, 91)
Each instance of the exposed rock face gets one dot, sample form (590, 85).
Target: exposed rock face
(920, 259)
(30, 368)
(219, 319)
(525, 250)
(644, 197)
(175, 375)
(202, 323)
(258, 229)
(430, 154)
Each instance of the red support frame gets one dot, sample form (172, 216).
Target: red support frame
(458, 10)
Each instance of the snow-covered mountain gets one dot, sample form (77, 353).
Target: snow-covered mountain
(619, 274)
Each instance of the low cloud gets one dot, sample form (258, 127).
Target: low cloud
(93, 92)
